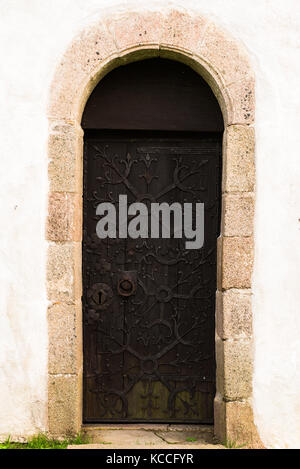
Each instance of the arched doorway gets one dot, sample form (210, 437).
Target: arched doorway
(222, 61)
(153, 136)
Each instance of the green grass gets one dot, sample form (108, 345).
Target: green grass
(191, 439)
(44, 442)
(230, 444)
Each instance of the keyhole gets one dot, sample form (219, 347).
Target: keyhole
(101, 297)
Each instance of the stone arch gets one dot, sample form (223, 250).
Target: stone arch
(223, 63)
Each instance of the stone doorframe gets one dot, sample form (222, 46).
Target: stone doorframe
(108, 43)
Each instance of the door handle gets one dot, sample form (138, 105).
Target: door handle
(127, 281)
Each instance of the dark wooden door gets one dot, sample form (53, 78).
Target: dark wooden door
(149, 304)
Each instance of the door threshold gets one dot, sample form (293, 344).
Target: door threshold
(86, 427)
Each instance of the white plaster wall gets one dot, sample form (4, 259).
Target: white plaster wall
(33, 35)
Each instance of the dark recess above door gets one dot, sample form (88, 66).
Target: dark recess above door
(153, 94)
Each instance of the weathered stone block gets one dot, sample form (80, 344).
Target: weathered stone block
(64, 405)
(65, 345)
(242, 95)
(81, 62)
(235, 262)
(183, 31)
(234, 424)
(65, 158)
(64, 221)
(220, 366)
(234, 368)
(64, 272)
(240, 426)
(225, 55)
(234, 314)
(239, 163)
(134, 29)
(238, 213)
(220, 418)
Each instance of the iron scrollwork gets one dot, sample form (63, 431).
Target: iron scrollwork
(148, 304)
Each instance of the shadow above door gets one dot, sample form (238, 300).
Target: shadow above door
(153, 94)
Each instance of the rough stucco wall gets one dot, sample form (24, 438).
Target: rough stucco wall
(33, 35)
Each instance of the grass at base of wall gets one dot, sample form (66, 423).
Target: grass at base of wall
(44, 442)
(230, 444)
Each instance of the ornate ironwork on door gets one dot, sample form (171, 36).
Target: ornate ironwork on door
(149, 304)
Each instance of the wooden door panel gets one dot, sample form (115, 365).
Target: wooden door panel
(150, 356)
